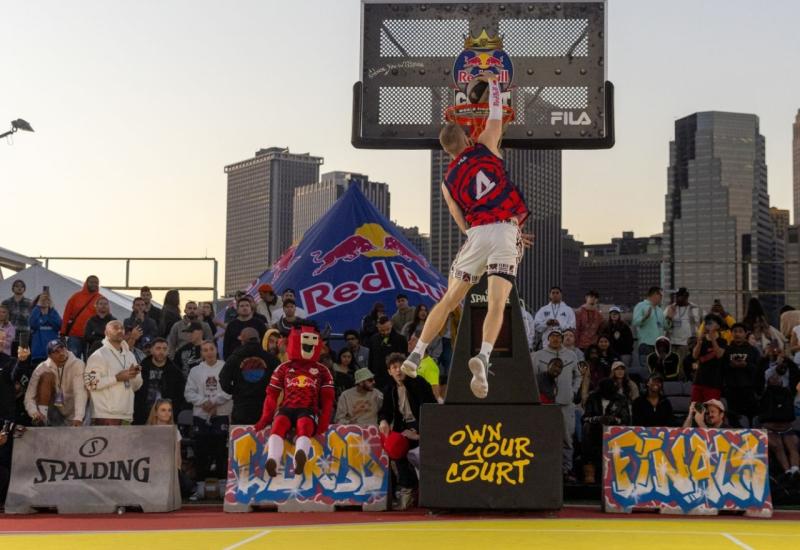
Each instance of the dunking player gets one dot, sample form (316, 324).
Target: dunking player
(490, 209)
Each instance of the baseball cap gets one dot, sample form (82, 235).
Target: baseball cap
(265, 288)
(194, 325)
(613, 309)
(145, 342)
(716, 403)
(554, 330)
(363, 374)
(55, 345)
(618, 365)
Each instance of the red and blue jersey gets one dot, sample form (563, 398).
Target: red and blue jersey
(477, 182)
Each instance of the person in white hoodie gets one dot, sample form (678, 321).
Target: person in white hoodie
(212, 410)
(56, 395)
(112, 376)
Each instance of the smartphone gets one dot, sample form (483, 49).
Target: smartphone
(699, 407)
(46, 289)
(24, 339)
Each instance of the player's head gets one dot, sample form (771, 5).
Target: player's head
(453, 139)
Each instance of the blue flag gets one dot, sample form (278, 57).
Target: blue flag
(350, 259)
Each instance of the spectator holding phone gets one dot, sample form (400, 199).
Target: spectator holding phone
(709, 351)
(710, 414)
(45, 323)
(139, 318)
(111, 377)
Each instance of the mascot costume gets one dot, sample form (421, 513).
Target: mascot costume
(308, 396)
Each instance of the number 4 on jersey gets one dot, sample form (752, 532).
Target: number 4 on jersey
(483, 185)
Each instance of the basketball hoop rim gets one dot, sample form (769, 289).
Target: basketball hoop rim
(469, 113)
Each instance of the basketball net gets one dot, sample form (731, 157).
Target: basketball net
(472, 116)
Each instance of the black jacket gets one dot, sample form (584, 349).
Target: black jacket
(777, 405)
(245, 376)
(645, 415)
(169, 316)
(379, 351)
(619, 335)
(418, 392)
(95, 332)
(231, 342)
(617, 407)
(172, 386)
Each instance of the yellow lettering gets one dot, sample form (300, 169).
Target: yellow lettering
(494, 433)
(476, 436)
(457, 438)
(503, 469)
(487, 471)
(452, 474)
(490, 450)
(507, 446)
(470, 472)
(521, 444)
(520, 464)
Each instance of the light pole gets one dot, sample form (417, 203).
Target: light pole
(18, 124)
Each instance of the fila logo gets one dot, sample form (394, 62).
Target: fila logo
(568, 118)
(483, 185)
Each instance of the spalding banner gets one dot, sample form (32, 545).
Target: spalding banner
(350, 259)
(346, 467)
(686, 470)
(94, 470)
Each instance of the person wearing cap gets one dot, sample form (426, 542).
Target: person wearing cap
(588, 319)
(361, 403)
(709, 350)
(619, 334)
(568, 384)
(648, 320)
(161, 379)
(190, 354)
(556, 313)
(683, 319)
(56, 395)
(245, 376)
(625, 386)
(653, 409)
(710, 414)
(179, 334)
(353, 342)
(269, 304)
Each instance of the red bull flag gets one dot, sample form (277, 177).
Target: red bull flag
(349, 259)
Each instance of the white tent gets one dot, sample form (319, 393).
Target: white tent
(62, 287)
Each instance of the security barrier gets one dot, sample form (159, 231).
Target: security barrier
(686, 470)
(346, 467)
(94, 470)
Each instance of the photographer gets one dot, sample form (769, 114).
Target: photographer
(710, 414)
(709, 351)
(112, 376)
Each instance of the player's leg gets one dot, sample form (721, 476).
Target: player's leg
(467, 268)
(280, 427)
(502, 269)
(305, 429)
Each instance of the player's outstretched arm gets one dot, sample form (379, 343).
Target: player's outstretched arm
(493, 132)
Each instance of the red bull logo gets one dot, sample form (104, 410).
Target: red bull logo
(347, 250)
(284, 263)
(482, 54)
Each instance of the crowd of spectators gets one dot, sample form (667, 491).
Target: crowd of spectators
(668, 366)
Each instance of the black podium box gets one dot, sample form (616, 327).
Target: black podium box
(498, 457)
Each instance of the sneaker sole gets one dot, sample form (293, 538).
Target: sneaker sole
(411, 372)
(479, 385)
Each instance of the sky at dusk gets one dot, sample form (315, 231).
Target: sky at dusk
(138, 106)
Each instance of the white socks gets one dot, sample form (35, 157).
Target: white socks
(303, 443)
(42, 409)
(421, 347)
(486, 349)
(275, 448)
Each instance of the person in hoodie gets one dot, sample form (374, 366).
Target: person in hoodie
(567, 385)
(79, 309)
(245, 377)
(588, 319)
(45, 322)
(619, 334)
(56, 395)
(111, 377)
(665, 362)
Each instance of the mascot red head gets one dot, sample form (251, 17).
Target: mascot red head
(305, 344)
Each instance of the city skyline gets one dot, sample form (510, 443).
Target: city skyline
(138, 108)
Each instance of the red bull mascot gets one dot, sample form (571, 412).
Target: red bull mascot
(308, 397)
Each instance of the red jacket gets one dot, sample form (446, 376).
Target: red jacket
(79, 312)
(587, 326)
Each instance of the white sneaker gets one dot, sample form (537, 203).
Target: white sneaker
(409, 366)
(479, 366)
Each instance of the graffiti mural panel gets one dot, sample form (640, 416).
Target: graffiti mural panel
(686, 470)
(346, 467)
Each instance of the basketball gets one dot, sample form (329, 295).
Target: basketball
(477, 91)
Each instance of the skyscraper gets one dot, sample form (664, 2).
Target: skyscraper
(312, 200)
(796, 166)
(538, 175)
(717, 231)
(260, 208)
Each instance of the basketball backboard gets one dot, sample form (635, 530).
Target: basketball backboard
(550, 57)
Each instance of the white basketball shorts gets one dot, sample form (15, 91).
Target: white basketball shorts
(492, 248)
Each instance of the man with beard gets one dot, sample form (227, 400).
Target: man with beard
(361, 403)
(179, 333)
(79, 309)
(161, 379)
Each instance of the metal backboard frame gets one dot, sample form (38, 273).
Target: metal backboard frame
(411, 70)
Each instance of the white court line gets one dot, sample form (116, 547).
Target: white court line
(736, 541)
(248, 540)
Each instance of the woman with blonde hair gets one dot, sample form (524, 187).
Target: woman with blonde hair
(161, 415)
